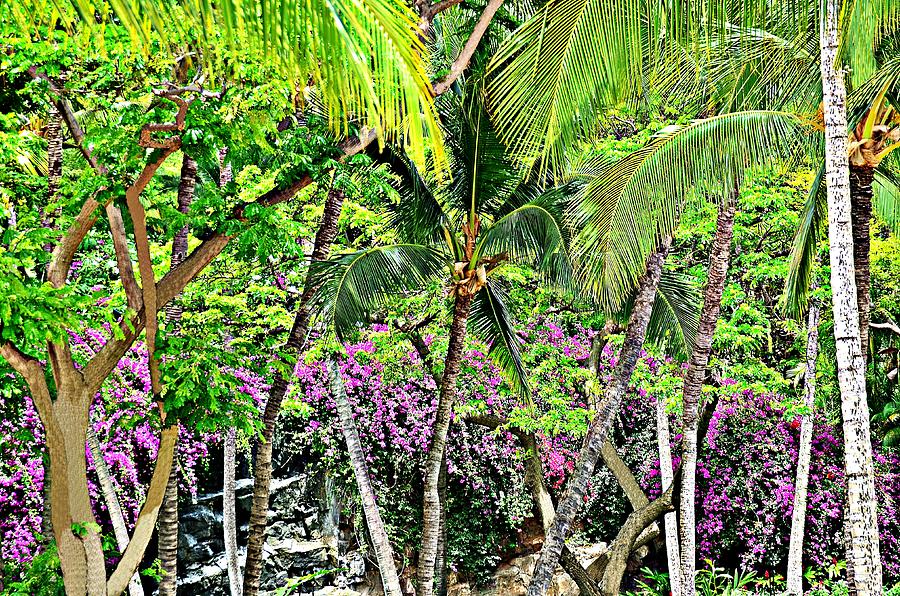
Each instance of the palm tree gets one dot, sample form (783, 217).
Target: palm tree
(320, 43)
(798, 518)
(861, 518)
(462, 231)
(629, 204)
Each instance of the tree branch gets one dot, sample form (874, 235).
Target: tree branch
(123, 257)
(465, 56)
(146, 521)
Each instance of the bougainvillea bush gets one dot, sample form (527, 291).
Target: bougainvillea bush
(745, 473)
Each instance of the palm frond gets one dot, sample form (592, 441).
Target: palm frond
(813, 224)
(419, 216)
(628, 206)
(676, 314)
(490, 322)
(887, 194)
(353, 286)
(532, 234)
(364, 56)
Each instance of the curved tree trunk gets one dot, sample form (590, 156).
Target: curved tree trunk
(168, 514)
(861, 178)
(262, 470)
(120, 530)
(576, 488)
(670, 520)
(693, 384)
(229, 514)
(384, 554)
(861, 517)
(431, 506)
(798, 519)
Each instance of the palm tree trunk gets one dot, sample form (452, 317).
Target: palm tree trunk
(384, 554)
(576, 488)
(262, 470)
(168, 514)
(440, 562)
(693, 383)
(431, 506)
(798, 519)
(861, 178)
(120, 530)
(670, 520)
(229, 514)
(861, 517)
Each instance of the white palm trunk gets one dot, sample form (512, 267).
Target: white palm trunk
(798, 520)
(667, 477)
(229, 516)
(860, 518)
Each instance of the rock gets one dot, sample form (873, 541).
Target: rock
(333, 591)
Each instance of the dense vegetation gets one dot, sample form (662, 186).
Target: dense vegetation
(514, 288)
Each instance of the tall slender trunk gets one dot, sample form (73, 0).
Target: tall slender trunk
(693, 384)
(229, 513)
(861, 178)
(168, 513)
(431, 506)
(798, 519)
(670, 520)
(576, 488)
(861, 516)
(120, 530)
(262, 470)
(440, 562)
(384, 554)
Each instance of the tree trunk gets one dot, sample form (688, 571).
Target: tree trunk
(670, 520)
(168, 514)
(693, 384)
(431, 506)
(798, 519)
(576, 488)
(262, 471)
(442, 576)
(861, 178)
(120, 530)
(863, 557)
(229, 514)
(384, 554)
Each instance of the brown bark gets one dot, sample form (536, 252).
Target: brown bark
(861, 178)
(431, 506)
(693, 384)
(465, 56)
(576, 487)
(262, 472)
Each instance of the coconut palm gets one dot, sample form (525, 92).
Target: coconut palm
(463, 232)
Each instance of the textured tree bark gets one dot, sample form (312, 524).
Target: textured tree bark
(576, 488)
(229, 514)
(693, 384)
(861, 517)
(442, 576)
(120, 530)
(384, 554)
(168, 514)
(798, 518)
(262, 471)
(861, 178)
(670, 520)
(431, 506)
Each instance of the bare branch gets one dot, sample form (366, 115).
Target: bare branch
(123, 257)
(146, 139)
(465, 56)
(61, 261)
